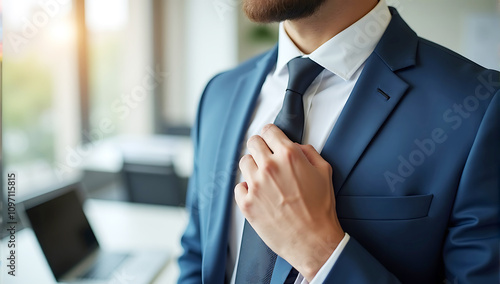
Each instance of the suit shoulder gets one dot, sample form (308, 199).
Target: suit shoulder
(441, 51)
(448, 59)
(449, 69)
(222, 87)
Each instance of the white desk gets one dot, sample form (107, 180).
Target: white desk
(118, 226)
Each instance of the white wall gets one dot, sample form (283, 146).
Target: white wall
(207, 45)
(469, 27)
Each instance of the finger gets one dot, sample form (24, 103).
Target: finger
(248, 167)
(274, 137)
(258, 148)
(240, 193)
(312, 155)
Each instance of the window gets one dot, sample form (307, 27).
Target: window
(122, 77)
(75, 73)
(40, 90)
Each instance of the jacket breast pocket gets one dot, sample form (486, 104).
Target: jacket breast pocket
(383, 207)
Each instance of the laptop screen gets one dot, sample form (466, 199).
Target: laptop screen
(63, 231)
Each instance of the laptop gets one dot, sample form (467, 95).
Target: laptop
(72, 250)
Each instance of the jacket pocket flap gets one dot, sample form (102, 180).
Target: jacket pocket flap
(383, 207)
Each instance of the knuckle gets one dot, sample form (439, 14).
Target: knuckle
(248, 205)
(269, 167)
(310, 147)
(266, 127)
(328, 168)
(256, 187)
(245, 159)
(245, 206)
(289, 152)
(238, 188)
(252, 140)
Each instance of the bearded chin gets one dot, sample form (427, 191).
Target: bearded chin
(268, 11)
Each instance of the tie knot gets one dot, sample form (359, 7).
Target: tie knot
(302, 71)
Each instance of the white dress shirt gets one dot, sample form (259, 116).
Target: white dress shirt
(343, 58)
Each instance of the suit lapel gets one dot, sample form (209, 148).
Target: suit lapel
(240, 110)
(372, 100)
(375, 95)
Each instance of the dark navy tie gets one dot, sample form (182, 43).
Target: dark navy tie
(256, 261)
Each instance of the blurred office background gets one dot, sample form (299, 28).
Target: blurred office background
(105, 91)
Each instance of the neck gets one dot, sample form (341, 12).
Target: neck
(331, 18)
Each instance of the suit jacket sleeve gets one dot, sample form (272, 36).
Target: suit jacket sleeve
(471, 247)
(471, 250)
(190, 262)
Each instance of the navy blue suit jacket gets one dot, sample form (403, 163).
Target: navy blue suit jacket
(416, 162)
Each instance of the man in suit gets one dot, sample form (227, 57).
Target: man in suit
(406, 186)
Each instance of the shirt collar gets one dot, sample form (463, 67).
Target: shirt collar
(344, 53)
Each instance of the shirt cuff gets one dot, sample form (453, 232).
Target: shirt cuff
(327, 267)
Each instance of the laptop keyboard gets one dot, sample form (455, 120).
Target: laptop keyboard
(104, 266)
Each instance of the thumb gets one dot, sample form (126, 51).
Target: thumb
(240, 193)
(311, 154)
